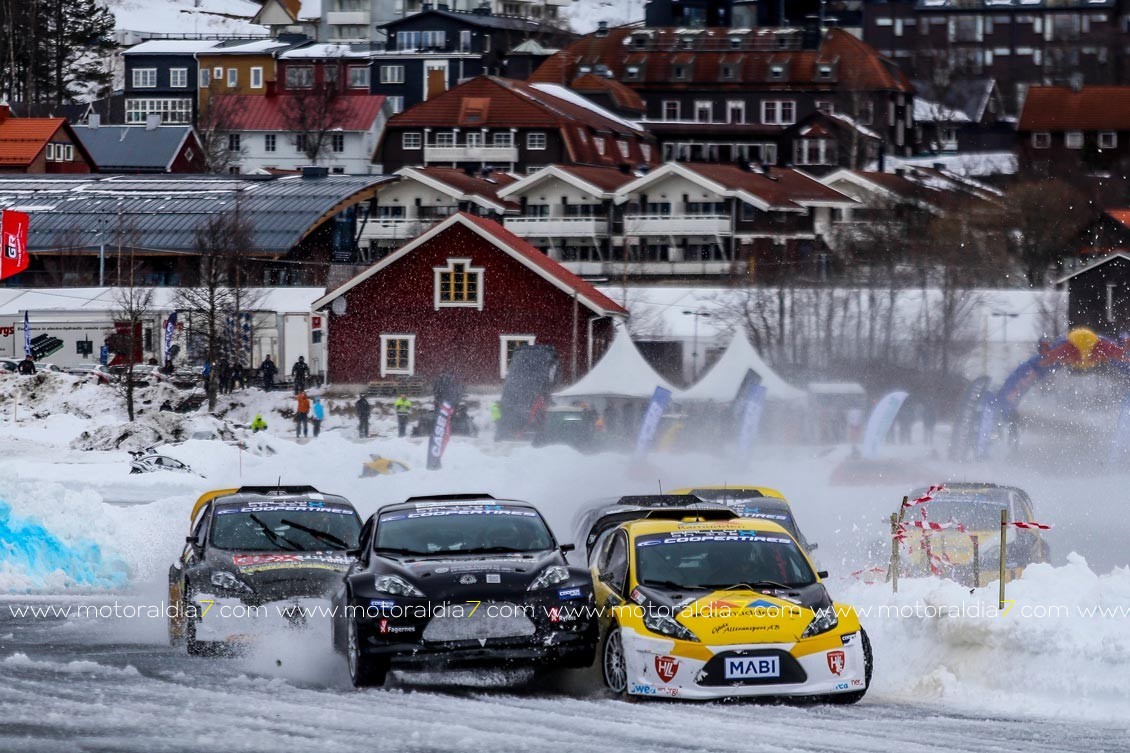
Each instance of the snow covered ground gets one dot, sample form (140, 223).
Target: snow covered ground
(186, 16)
(950, 674)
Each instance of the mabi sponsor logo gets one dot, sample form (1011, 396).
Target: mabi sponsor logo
(666, 667)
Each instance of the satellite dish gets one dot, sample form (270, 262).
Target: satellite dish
(338, 306)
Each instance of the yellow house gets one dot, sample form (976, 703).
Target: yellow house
(238, 67)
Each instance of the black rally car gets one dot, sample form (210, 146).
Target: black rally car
(254, 551)
(461, 581)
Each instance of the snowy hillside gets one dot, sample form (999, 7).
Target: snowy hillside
(585, 15)
(186, 16)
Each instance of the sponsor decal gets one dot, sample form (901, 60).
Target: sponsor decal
(382, 604)
(857, 683)
(285, 507)
(746, 667)
(467, 579)
(445, 512)
(836, 661)
(382, 627)
(637, 597)
(565, 594)
(666, 667)
(556, 614)
(726, 627)
(292, 566)
(253, 562)
(842, 686)
(442, 570)
(761, 604)
(241, 560)
(494, 578)
(441, 433)
(638, 689)
(848, 639)
(699, 535)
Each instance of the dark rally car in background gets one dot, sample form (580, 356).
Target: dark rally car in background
(253, 547)
(461, 581)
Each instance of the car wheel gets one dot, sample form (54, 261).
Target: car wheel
(868, 668)
(193, 646)
(364, 671)
(613, 664)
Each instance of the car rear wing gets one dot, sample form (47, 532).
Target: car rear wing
(613, 516)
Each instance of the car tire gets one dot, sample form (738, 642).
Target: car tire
(613, 666)
(364, 671)
(847, 699)
(193, 646)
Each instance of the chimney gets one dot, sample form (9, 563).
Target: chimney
(152, 121)
(5, 111)
(314, 171)
(602, 29)
(94, 120)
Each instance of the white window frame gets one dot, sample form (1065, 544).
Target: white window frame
(502, 139)
(1108, 140)
(622, 145)
(257, 78)
(532, 141)
(735, 104)
(178, 78)
(1041, 140)
(68, 153)
(304, 72)
(645, 150)
(779, 111)
(392, 74)
(233, 78)
(50, 153)
(176, 110)
(411, 140)
(205, 78)
(270, 142)
(466, 262)
(598, 142)
(474, 139)
(411, 370)
(143, 75)
(444, 139)
(667, 103)
(396, 104)
(218, 73)
(503, 342)
(363, 78)
(335, 140)
(1073, 139)
(708, 106)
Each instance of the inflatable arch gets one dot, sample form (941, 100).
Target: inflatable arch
(1081, 350)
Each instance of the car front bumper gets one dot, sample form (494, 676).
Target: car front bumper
(663, 667)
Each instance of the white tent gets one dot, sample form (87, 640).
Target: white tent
(722, 381)
(621, 372)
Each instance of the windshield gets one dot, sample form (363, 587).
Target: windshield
(290, 527)
(751, 505)
(976, 512)
(463, 529)
(718, 559)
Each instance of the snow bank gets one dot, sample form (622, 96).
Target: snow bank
(1062, 635)
(34, 558)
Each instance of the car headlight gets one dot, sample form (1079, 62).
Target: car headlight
(664, 625)
(397, 586)
(225, 580)
(824, 620)
(550, 576)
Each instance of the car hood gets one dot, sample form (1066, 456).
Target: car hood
(453, 575)
(740, 616)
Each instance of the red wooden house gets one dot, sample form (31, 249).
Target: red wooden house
(40, 145)
(458, 300)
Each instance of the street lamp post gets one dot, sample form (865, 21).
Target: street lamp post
(696, 313)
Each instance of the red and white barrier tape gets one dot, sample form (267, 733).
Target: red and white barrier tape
(875, 570)
(929, 495)
(1029, 524)
(929, 525)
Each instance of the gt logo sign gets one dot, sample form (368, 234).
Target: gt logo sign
(836, 661)
(666, 667)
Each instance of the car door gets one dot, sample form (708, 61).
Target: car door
(610, 576)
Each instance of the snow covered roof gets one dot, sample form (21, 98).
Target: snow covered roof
(328, 50)
(620, 372)
(572, 97)
(722, 381)
(926, 111)
(172, 46)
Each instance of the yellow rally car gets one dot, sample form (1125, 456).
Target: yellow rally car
(705, 609)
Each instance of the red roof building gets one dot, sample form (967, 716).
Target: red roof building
(724, 95)
(513, 126)
(279, 131)
(458, 300)
(1064, 129)
(40, 145)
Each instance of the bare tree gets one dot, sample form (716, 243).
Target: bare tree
(133, 309)
(222, 242)
(215, 131)
(313, 116)
(1044, 216)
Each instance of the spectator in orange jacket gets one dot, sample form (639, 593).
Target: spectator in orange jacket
(301, 414)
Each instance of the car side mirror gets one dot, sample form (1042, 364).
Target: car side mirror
(190, 540)
(566, 548)
(822, 574)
